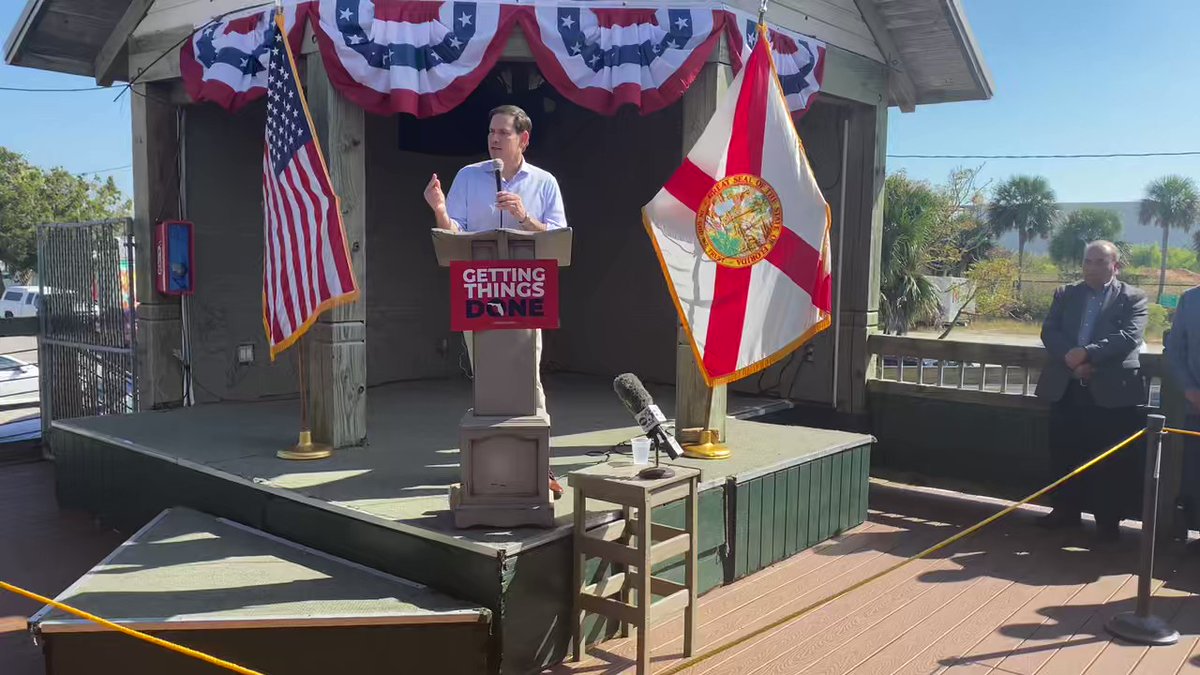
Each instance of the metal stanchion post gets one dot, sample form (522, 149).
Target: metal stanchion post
(1140, 626)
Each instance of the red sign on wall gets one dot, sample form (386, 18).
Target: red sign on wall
(503, 295)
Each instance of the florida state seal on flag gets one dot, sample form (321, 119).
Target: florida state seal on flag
(742, 232)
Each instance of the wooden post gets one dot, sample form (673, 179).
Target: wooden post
(155, 198)
(338, 351)
(691, 393)
(862, 240)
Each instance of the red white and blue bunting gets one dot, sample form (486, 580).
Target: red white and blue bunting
(422, 58)
(425, 57)
(799, 59)
(604, 58)
(226, 60)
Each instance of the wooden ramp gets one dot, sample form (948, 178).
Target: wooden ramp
(259, 601)
(1011, 599)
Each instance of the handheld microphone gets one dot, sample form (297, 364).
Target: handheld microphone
(498, 168)
(639, 403)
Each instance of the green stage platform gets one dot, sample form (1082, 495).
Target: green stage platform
(257, 601)
(385, 505)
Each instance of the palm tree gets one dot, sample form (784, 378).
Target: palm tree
(1170, 201)
(906, 294)
(1025, 204)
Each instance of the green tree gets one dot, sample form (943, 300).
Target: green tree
(30, 196)
(1170, 202)
(911, 208)
(1027, 205)
(1078, 230)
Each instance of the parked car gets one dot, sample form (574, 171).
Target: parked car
(19, 301)
(17, 379)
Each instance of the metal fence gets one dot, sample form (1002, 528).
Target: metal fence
(86, 312)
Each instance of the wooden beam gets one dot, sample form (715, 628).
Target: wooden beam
(691, 391)
(116, 47)
(338, 342)
(900, 86)
(17, 37)
(155, 197)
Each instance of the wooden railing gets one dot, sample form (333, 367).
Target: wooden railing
(980, 372)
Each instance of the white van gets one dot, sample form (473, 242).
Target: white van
(19, 301)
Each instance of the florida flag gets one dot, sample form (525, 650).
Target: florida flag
(742, 232)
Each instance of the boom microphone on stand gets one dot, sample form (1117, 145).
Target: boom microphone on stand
(640, 404)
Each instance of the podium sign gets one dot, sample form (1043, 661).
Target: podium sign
(503, 295)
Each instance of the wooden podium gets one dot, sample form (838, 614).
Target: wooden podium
(504, 439)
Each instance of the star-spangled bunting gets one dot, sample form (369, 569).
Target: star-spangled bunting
(424, 58)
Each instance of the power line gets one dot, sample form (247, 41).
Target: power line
(113, 168)
(51, 90)
(1184, 153)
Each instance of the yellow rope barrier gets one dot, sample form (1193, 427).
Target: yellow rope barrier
(932, 549)
(129, 631)
(1182, 432)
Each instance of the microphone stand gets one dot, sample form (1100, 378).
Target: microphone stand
(657, 472)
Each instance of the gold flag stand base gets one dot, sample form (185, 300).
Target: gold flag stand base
(704, 444)
(306, 449)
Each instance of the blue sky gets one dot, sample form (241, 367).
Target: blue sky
(1071, 77)
(83, 131)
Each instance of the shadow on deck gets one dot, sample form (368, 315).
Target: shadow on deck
(1011, 599)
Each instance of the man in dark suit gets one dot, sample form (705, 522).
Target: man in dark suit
(1092, 335)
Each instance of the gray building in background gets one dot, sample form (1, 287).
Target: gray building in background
(1131, 231)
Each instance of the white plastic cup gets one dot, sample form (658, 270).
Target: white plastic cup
(641, 450)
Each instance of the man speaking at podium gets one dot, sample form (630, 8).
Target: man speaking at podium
(527, 198)
(504, 192)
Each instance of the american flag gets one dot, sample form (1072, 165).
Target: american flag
(306, 264)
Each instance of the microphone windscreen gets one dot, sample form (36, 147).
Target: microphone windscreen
(498, 165)
(631, 392)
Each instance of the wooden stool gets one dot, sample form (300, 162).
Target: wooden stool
(625, 542)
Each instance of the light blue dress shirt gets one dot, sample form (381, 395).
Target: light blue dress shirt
(471, 202)
(1091, 312)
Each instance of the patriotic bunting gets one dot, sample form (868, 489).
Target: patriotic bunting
(604, 58)
(799, 60)
(421, 58)
(425, 57)
(226, 60)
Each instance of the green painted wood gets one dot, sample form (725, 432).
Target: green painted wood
(814, 503)
(855, 494)
(849, 474)
(779, 550)
(864, 485)
(793, 512)
(741, 529)
(803, 474)
(754, 544)
(825, 530)
(767, 555)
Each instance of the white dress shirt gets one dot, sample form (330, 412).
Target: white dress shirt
(471, 202)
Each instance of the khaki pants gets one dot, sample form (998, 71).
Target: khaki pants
(539, 394)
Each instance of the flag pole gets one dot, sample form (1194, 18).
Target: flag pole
(762, 13)
(305, 448)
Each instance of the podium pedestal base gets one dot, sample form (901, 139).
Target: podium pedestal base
(505, 467)
(498, 515)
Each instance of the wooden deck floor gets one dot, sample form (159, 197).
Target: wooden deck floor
(1010, 599)
(41, 549)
